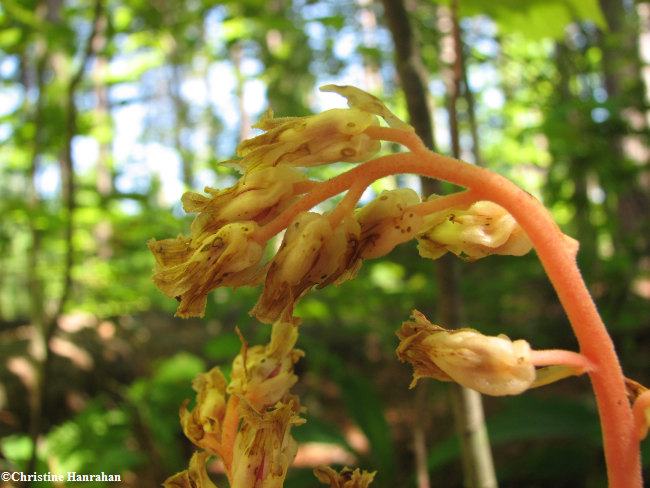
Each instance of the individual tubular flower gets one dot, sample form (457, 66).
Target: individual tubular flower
(386, 222)
(203, 424)
(264, 374)
(188, 269)
(310, 253)
(346, 478)
(491, 365)
(484, 228)
(328, 137)
(258, 196)
(194, 477)
(264, 447)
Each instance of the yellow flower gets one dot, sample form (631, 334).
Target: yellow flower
(261, 378)
(484, 228)
(488, 364)
(264, 448)
(347, 478)
(194, 477)
(264, 374)
(385, 222)
(328, 137)
(188, 269)
(311, 252)
(258, 196)
(203, 425)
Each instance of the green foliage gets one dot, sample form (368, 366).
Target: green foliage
(159, 104)
(535, 19)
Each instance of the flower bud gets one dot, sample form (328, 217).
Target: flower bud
(488, 364)
(188, 269)
(361, 100)
(385, 222)
(484, 228)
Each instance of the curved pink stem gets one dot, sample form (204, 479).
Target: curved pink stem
(547, 357)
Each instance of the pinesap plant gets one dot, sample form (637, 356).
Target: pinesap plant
(246, 421)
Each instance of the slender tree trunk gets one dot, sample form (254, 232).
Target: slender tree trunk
(467, 403)
(622, 70)
(38, 345)
(45, 323)
(478, 466)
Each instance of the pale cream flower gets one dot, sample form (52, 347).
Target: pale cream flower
(484, 228)
(203, 424)
(493, 365)
(386, 222)
(331, 136)
(328, 137)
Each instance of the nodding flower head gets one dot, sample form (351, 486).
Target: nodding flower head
(188, 269)
(203, 424)
(484, 228)
(493, 365)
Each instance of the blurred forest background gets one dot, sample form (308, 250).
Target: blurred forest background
(110, 110)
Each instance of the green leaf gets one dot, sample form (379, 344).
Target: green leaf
(367, 409)
(535, 19)
(530, 418)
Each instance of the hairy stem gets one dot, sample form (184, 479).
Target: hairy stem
(545, 357)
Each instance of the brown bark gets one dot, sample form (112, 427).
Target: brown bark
(470, 423)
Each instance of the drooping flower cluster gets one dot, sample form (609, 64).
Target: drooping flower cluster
(223, 248)
(246, 422)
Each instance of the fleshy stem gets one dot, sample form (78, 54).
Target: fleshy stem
(545, 357)
(229, 430)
